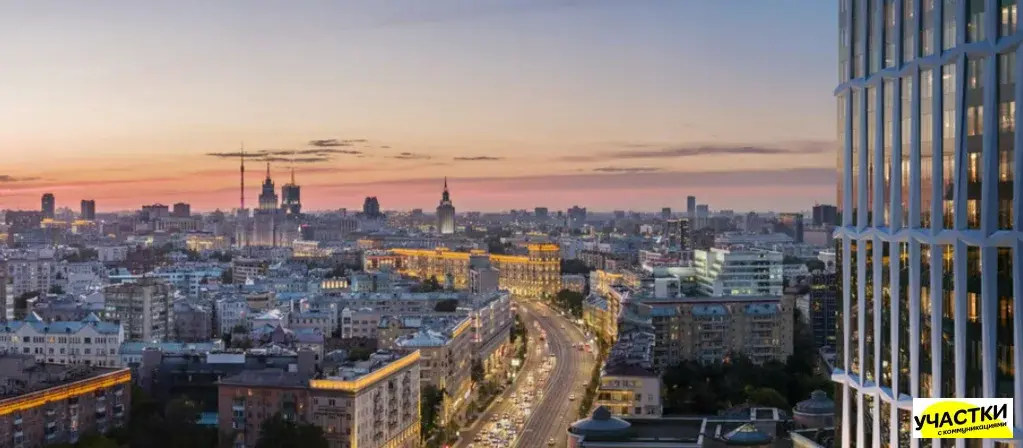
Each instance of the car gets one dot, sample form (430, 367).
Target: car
(571, 397)
(550, 442)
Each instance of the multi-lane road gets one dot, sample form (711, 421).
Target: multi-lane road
(549, 421)
(558, 404)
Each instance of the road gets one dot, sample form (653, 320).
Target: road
(552, 416)
(532, 364)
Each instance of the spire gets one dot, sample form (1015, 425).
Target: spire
(292, 175)
(243, 175)
(267, 170)
(445, 183)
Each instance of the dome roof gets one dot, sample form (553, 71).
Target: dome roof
(746, 435)
(818, 404)
(602, 422)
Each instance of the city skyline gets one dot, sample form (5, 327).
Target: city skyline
(510, 101)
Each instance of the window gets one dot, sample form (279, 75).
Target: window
(1007, 116)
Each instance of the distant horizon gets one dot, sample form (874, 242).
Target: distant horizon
(517, 101)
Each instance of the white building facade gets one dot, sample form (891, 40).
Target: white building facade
(929, 244)
(723, 272)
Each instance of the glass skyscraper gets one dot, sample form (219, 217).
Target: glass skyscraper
(929, 246)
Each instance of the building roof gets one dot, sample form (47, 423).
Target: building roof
(267, 378)
(746, 435)
(818, 404)
(61, 327)
(601, 422)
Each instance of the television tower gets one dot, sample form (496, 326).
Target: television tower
(243, 176)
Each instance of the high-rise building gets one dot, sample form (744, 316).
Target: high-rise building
(181, 210)
(666, 213)
(88, 210)
(49, 206)
(576, 217)
(144, 308)
(291, 197)
(691, 206)
(927, 114)
(541, 213)
(825, 215)
(445, 212)
(371, 207)
(679, 234)
(268, 197)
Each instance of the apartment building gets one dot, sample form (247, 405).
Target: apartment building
(143, 308)
(89, 341)
(739, 272)
(247, 399)
(50, 403)
(711, 329)
(445, 362)
(370, 404)
(30, 273)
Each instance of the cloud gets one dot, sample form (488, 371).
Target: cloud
(303, 156)
(649, 151)
(411, 156)
(478, 159)
(821, 177)
(5, 178)
(333, 142)
(613, 169)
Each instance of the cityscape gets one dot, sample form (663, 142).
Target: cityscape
(508, 223)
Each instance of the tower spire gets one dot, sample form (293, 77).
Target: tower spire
(243, 175)
(445, 183)
(267, 170)
(292, 167)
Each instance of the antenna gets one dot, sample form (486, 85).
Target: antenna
(243, 176)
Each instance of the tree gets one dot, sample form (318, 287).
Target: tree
(96, 440)
(570, 301)
(477, 372)
(518, 330)
(359, 353)
(173, 425)
(430, 285)
(429, 409)
(446, 306)
(574, 267)
(815, 265)
(276, 432)
(765, 396)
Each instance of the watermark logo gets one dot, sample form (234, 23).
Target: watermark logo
(962, 418)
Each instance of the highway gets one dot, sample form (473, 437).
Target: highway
(555, 412)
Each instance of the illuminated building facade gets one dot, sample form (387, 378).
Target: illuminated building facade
(41, 412)
(205, 241)
(446, 361)
(535, 275)
(291, 197)
(379, 409)
(929, 241)
(445, 213)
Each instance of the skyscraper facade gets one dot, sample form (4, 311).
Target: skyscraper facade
(88, 212)
(691, 206)
(446, 212)
(929, 247)
(291, 197)
(49, 206)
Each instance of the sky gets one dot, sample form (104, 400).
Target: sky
(606, 104)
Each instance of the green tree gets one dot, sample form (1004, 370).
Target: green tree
(815, 265)
(359, 353)
(570, 301)
(430, 402)
(574, 267)
(227, 276)
(95, 440)
(477, 372)
(276, 432)
(446, 306)
(765, 396)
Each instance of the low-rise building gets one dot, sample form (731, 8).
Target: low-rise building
(90, 341)
(446, 353)
(47, 404)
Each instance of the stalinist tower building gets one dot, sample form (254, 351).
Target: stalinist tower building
(446, 213)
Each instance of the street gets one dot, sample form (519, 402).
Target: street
(555, 382)
(556, 411)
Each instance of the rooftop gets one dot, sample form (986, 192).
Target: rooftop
(61, 327)
(23, 375)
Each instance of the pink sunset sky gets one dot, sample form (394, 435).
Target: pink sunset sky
(519, 103)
